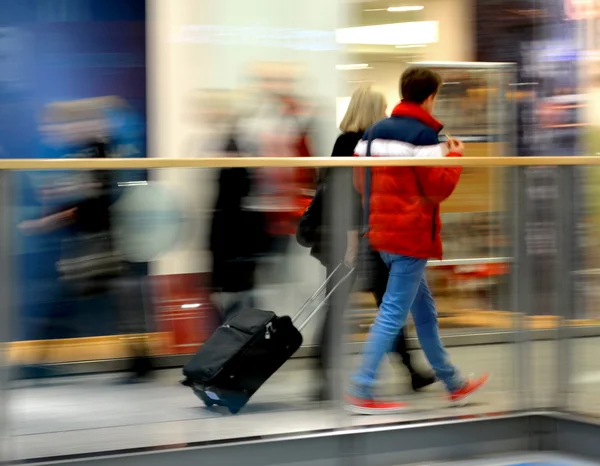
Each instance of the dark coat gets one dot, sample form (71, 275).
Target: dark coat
(237, 235)
(316, 229)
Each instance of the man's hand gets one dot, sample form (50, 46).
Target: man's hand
(455, 145)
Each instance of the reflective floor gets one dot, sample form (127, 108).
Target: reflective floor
(78, 415)
(526, 460)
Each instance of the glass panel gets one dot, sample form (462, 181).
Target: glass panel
(159, 304)
(176, 288)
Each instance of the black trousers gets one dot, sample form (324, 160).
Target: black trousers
(339, 299)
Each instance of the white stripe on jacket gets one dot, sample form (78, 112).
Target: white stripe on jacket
(391, 148)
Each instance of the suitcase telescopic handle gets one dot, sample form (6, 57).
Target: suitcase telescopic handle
(317, 293)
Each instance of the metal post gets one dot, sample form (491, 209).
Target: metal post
(565, 245)
(520, 289)
(338, 208)
(505, 128)
(6, 310)
(520, 271)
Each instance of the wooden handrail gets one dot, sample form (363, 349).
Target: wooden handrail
(221, 162)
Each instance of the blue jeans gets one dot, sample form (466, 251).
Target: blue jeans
(406, 290)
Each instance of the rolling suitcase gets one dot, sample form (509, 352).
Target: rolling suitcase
(244, 352)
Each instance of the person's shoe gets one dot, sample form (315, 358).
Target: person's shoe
(459, 397)
(369, 406)
(419, 381)
(141, 367)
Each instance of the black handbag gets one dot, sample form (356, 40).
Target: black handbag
(367, 260)
(307, 233)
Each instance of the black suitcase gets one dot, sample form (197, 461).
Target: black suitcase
(244, 352)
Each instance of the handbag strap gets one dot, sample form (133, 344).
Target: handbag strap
(367, 187)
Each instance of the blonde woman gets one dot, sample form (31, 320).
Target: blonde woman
(366, 107)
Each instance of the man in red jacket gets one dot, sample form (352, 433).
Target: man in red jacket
(404, 227)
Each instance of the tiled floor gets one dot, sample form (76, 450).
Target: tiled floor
(94, 414)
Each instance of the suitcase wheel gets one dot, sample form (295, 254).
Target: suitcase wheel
(234, 410)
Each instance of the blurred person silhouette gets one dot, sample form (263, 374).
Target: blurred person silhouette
(315, 229)
(278, 123)
(89, 262)
(127, 136)
(238, 235)
(404, 227)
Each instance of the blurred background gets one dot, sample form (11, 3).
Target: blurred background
(273, 78)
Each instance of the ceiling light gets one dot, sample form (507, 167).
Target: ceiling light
(412, 46)
(471, 66)
(412, 33)
(357, 66)
(402, 9)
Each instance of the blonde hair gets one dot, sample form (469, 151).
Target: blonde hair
(366, 108)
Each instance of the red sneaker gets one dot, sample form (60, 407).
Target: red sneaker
(460, 396)
(368, 406)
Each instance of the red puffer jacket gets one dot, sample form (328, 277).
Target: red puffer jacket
(404, 208)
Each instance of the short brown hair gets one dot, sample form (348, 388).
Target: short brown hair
(418, 83)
